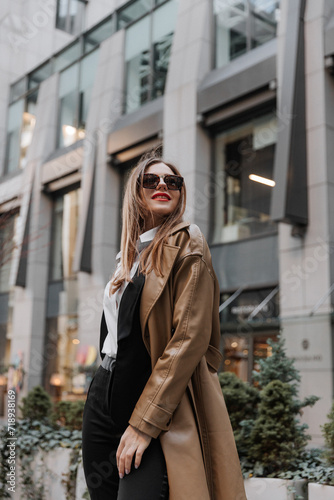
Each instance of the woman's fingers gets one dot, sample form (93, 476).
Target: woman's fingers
(132, 442)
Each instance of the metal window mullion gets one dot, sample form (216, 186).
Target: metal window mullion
(67, 22)
(249, 27)
(151, 56)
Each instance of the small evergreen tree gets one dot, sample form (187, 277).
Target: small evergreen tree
(37, 405)
(328, 433)
(241, 401)
(279, 367)
(277, 439)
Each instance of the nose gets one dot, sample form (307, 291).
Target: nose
(161, 184)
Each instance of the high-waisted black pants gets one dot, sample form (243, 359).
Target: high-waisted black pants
(100, 440)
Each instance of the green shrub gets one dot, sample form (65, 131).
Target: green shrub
(277, 439)
(328, 433)
(36, 405)
(241, 401)
(68, 414)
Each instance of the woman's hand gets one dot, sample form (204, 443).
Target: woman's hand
(132, 442)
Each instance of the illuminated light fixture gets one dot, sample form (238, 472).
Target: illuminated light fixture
(262, 180)
(75, 341)
(57, 379)
(234, 344)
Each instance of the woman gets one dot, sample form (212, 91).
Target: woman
(155, 422)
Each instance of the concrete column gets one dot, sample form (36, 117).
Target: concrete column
(30, 302)
(105, 108)
(305, 263)
(185, 142)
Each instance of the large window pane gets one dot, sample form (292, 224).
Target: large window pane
(264, 21)
(244, 171)
(164, 20)
(68, 56)
(65, 225)
(39, 75)
(231, 29)
(70, 15)
(132, 12)
(87, 77)
(28, 125)
(18, 89)
(68, 106)
(242, 25)
(15, 114)
(98, 34)
(137, 57)
(7, 245)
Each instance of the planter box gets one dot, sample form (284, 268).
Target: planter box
(274, 489)
(320, 492)
(50, 468)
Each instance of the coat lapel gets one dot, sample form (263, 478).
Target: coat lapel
(154, 284)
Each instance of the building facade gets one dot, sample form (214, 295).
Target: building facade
(240, 95)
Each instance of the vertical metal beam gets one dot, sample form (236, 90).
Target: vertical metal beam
(289, 200)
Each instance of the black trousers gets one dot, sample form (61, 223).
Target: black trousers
(100, 440)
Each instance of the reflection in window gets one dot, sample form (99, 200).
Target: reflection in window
(75, 87)
(242, 25)
(148, 46)
(40, 74)
(132, 12)
(7, 244)
(98, 34)
(243, 352)
(70, 15)
(65, 224)
(244, 180)
(20, 127)
(70, 364)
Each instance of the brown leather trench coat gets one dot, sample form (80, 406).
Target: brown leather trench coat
(182, 403)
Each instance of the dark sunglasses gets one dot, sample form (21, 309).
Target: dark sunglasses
(173, 182)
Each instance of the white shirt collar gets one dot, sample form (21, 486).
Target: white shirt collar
(148, 235)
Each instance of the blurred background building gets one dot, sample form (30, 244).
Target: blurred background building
(240, 95)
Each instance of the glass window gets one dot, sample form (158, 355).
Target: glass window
(68, 106)
(242, 25)
(98, 34)
(70, 15)
(147, 53)
(14, 124)
(40, 74)
(137, 58)
(7, 245)
(68, 56)
(28, 125)
(163, 28)
(64, 231)
(75, 87)
(243, 352)
(132, 12)
(264, 21)
(18, 89)
(87, 76)
(243, 179)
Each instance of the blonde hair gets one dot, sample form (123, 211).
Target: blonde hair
(134, 213)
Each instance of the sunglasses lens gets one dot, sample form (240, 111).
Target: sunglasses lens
(150, 181)
(173, 182)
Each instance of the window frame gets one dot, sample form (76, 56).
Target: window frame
(249, 32)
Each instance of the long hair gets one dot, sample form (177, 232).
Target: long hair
(134, 213)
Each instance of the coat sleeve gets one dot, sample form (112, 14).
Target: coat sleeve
(192, 317)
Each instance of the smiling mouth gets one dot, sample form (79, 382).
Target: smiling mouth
(163, 197)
